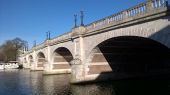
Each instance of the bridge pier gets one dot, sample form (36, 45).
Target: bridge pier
(26, 65)
(36, 67)
(32, 67)
(77, 71)
(48, 70)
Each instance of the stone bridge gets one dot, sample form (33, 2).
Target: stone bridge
(130, 43)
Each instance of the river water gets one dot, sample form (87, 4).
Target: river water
(24, 82)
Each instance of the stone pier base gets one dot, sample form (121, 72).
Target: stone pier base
(35, 68)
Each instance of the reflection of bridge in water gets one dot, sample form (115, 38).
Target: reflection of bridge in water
(130, 43)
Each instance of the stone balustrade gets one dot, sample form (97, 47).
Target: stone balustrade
(131, 12)
(27, 52)
(61, 38)
(42, 45)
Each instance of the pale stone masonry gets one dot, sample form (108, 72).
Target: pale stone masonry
(75, 52)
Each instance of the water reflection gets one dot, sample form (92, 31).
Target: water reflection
(93, 89)
(124, 87)
(24, 82)
(14, 82)
(50, 85)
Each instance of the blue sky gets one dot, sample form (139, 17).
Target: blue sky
(31, 19)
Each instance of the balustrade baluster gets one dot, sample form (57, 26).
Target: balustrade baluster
(134, 12)
(110, 19)
(118, 17)
(144, 7)
(127, 14)
(106, 21)
(122, 15)
(139, 9)
(103, 22)
(94, 25)
(115, 17)
(153, 4)
(130, 12)
(159, 3)
(156, 4)
(163, 3)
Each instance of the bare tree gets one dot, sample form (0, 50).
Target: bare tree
(9, 50)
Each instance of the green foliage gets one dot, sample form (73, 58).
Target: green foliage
(9, 50)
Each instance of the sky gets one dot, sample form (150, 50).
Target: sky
(31, 19)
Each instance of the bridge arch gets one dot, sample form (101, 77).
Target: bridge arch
(40, 59)
(128, 54)
(25, 60)
(30, 58)
(61, 58)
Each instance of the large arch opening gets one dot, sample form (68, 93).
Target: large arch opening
(61, 58)
(129, 55)
(40, 59)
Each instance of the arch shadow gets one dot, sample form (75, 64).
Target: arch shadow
(130, 56)
(64, 54)
(62, 58)
(134, 57)
(40, 59)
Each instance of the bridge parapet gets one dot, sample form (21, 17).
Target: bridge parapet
(26, 53)
(40, 46)
(76, 32)
(61, 38)
(151, 6)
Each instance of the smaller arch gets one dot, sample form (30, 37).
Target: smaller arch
(40, 59)
(30, 58)
(25, 60)
(40, 55)
(62, 58)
